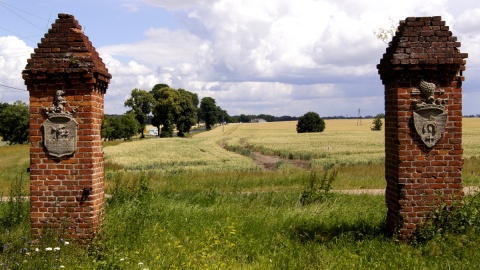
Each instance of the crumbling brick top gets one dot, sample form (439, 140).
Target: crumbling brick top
(419, 43)
(66, 49)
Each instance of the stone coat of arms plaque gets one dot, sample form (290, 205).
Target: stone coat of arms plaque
(430, 117)
(60, 129)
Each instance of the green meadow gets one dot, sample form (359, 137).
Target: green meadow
(203, 203)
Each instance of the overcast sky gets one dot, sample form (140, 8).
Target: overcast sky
(278, 57)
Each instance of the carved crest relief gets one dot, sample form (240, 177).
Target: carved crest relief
(60, 129)
(430, 117)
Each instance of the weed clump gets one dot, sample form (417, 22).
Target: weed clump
(318, 188)
(16, 210)
(462, 218)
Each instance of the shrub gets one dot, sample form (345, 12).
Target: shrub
(310, 122)
(377, 123)
(456, 219)
(318, 188)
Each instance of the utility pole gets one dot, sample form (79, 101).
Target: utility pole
(359, 118)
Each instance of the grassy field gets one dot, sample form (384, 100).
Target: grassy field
(191, 204)
(357, 151)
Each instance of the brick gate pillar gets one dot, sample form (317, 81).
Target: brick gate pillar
(422, 73)
(67, 81)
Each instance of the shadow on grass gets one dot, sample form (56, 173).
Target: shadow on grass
(322, 233)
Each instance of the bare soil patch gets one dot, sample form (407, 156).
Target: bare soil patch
(270, 163)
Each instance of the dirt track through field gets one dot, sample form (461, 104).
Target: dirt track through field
(466, 190)
(270, 163)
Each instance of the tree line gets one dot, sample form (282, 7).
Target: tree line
(242, 118)
(165, 108)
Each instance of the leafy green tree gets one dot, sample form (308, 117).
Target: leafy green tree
(3, 105)
(141, 103)
(245, 118)
(156, 89)
(222, 116)
(156, 96)
(377, 122)
(108, 128)
(119, 127)
(167, 109)
(14, 122)
(266, 117)
(208, 112)
(130, 125)
(310, 122)
(187, 116)
(195, 102)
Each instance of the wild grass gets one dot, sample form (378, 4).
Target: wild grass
(162, 217)
(14, 162)
(159, 223)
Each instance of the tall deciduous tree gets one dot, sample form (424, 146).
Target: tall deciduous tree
(188, 112)
(167, 109)
(130, 125)
(15, 122)
(156, 122)
(208, 112)
(141, 103)
(222, 115)
(119, 127)
(310, 122)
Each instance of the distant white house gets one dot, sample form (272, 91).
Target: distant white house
(258, 120)
(153, 132)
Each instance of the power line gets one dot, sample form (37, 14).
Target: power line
(12, 38)
(11, 87)
(4, 5)
(10, 8)
(31, 14)
(15, 55)
(18, 34)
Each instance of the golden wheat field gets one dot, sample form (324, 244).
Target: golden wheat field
(343, 142)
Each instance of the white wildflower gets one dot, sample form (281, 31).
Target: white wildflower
(48, 249)
(56, 248)
(37, 250)
(66, 243)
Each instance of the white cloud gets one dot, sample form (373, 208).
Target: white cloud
(469, 22)
(279, 55)
(274, 51)
(126, 77)
(13, 58)
(175, 5)
(161, 47)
